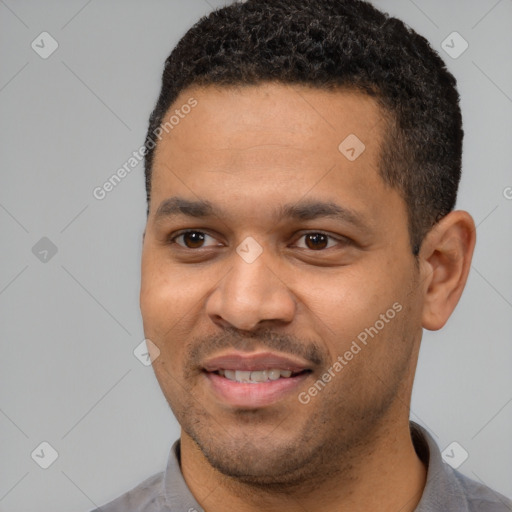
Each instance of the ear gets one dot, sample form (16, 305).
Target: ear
(445, 260)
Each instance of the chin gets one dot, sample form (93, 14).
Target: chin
(262, 461)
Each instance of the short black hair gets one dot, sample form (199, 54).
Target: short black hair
(329, 44)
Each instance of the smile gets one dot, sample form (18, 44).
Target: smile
(257, 375)
(254, 380)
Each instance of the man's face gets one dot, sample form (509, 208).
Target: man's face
(290, 253)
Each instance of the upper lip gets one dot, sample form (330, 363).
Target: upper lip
(254, 362)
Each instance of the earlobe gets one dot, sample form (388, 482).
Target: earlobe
(446, 259)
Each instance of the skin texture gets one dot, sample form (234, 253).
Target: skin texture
(250, 151)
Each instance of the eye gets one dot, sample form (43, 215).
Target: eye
(317, 241)
(193, 240)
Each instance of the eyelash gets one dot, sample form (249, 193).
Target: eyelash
(341, 240)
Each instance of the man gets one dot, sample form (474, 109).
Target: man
(302, 165)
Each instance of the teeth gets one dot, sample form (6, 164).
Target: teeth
(259, 376)
(242, 376)
(255, 376)
(274, 374)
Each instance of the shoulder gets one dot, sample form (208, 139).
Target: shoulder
(163, 492)
(446, 488)
(481, 498)
(146, 497)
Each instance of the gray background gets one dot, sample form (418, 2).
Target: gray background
(69, 324)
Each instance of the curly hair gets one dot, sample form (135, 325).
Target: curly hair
(329, 44)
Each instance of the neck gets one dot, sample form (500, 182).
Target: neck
(384, 474)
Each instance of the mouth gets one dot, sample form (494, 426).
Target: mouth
(253, 381)
(257, 376)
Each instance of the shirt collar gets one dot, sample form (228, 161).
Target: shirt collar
(443, 490)
(176, 492)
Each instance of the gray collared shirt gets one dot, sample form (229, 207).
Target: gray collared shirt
(446, 489)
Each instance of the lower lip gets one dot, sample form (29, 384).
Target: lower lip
(253, 395)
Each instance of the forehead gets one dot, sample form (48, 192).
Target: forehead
(291, 112)
(269, 140)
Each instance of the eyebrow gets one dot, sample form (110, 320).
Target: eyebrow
(303, 210)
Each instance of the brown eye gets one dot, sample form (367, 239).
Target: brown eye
(191, 239)
(316, 241)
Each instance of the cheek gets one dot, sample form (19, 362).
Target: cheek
(167, 292)
(341, 299)
(350, 303)
(164, 314)
(171, 302)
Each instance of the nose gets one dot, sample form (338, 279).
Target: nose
(251, 296)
